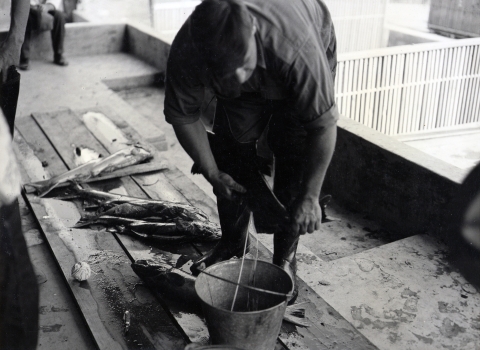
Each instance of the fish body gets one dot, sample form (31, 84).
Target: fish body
(148, 228)
(178, 232)
(117, 160)
(121, 159)
(138, 208)
(81, 173)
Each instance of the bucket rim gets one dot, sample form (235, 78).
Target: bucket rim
(233, 282)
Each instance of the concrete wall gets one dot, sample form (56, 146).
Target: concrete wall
(144, 43)
(86, 38)
(404, 189)
(81, 39)
(398, 36)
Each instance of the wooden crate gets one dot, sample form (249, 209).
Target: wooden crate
(457, 18)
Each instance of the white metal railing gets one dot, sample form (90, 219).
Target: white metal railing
(169, 16)
(406, 89)
(359, 24)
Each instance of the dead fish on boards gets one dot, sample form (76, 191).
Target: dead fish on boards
(174, 283)
(157, 229)
(138, 208)
(121, 159)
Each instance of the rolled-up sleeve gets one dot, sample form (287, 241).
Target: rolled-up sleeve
(184, 92)
(311, 85)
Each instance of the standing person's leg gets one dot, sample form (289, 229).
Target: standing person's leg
(287, 141)
(58, 37)
(9, 91)
(18, 285)
(25, 50)
(234, 216)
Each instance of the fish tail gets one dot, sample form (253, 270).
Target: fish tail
(84, 221)
(42, 187)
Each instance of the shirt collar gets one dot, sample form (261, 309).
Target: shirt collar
(258, 41)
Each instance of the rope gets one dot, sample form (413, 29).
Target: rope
(241, 267)
(245, 286)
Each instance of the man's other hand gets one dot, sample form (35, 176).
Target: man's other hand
(9, 56)
(225, 186)
(306, 215)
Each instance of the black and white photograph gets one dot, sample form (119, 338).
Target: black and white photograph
(240, 174)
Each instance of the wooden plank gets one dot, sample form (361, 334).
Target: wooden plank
(172, 184)
(190, 321)
(56, 125)
(110, 291)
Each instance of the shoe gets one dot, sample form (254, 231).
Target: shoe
(24, 65)
(231, 244)
(60, 60)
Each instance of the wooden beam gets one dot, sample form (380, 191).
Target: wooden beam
(110, 291)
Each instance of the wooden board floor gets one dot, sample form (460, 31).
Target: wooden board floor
(157, 322)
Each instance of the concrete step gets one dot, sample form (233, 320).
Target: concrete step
(402, 295)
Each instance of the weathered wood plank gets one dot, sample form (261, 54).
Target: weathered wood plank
(173, 184)
(110, 291)
(190, 320)
(56, 125)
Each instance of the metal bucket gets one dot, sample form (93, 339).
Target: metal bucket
(256, 318)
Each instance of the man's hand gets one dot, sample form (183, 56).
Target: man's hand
(225, 186)
(306, 215)
(9, 56)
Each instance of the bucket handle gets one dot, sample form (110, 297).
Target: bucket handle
(288, 295)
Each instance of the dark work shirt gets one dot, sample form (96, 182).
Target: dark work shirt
(296, 60)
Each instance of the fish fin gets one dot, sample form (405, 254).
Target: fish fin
(296, 314)
(83, 222)
(296, 320)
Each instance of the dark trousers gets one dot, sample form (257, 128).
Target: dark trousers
(18, 285)
(286, 139)
(58, 35)
(9, 91)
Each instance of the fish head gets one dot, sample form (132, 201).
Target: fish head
(150, 268)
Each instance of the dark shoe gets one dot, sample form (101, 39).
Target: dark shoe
(60, 60)
(220, 253)
(23, 65)
(231, 244)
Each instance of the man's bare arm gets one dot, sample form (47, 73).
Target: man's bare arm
(194, 141)
(306, 212)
